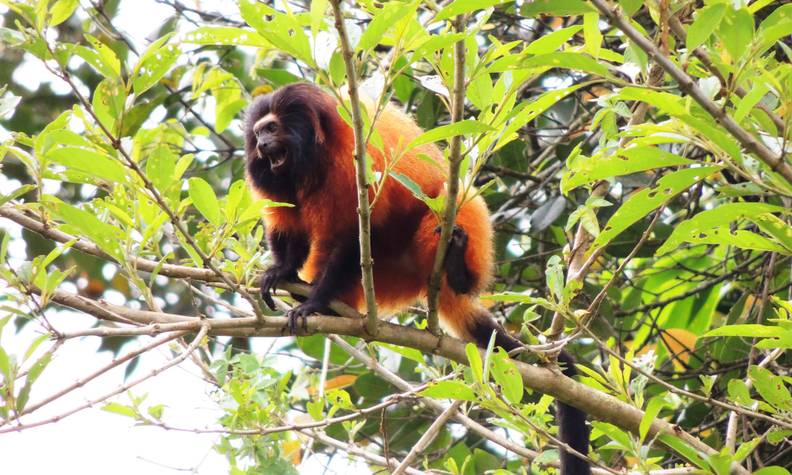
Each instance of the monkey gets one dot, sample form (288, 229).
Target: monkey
(300, 151)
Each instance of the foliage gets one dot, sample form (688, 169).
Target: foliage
(624, 208)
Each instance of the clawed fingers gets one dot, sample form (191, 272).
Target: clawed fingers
(268, 282)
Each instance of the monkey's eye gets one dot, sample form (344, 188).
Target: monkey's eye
(271, 126)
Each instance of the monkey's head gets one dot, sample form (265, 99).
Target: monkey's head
(285, 134)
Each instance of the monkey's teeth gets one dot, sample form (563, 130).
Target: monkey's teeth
(277, 162)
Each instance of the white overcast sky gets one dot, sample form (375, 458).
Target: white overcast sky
(94, 441)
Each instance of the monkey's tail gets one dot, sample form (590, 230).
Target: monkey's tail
(572, 429)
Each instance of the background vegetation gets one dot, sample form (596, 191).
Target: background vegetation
(634, 155)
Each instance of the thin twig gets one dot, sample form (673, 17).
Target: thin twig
(454, 162)
(428, 437)
(124, 387)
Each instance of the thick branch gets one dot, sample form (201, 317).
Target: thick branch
(549, 381)
(598, 405)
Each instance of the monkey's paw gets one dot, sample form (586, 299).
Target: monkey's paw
(270, 279)
(302, 311)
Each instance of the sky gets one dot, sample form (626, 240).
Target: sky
(94, 441)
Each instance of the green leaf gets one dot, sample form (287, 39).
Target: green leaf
(315, 409)
(519, 298)
(318, 11)
(529, 110)
(479, 91)
(121, 409)
(161, 167)
(642, 203)
(409, 353)
(205, 200)
(665, 101)
(61, 11)
(723, 215)
(620, 437)
(229, 102)
(476, 365)
(747, 103)
(278, 77)
(459, 7)
(754, 330)
(153, 64)
(555, 7)
(449, 390)
(225, 35)
(624, 162)
(435, 43)
(383, 20)
(505, 373)
(684, 449)
(724, 235)
(95, 61)
(282, 30)
(90, 162)
(777, 435)
(736, 32)
(554, 276)
(568, 60)
(776, 26)
(775, 227)
(739, 392)
(630, 6)
(107, 237)
(652, 410)
(107, 57)
(548, 43)
(108, 103)
(772, 470)
(771, 388)
(14, 195)
(33, 374)
(444, 132)
(707, 21)
(408, 183)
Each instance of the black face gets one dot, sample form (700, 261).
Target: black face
(284, 138)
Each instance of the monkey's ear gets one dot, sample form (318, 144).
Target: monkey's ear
(318, 121)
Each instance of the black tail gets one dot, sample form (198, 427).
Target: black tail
(572, 428)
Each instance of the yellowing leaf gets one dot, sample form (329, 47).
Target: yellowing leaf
(291, 451)
(680, 342)
(340, 382)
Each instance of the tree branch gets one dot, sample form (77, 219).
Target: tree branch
(364, 217)
(454, 162)
(549, 381)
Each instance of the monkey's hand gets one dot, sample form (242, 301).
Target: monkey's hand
(458, 237)
(302, 311)
(458, 243)
(271, 278)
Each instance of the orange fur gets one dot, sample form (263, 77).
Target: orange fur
(401, 269)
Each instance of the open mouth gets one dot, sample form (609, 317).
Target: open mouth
(277, 162)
